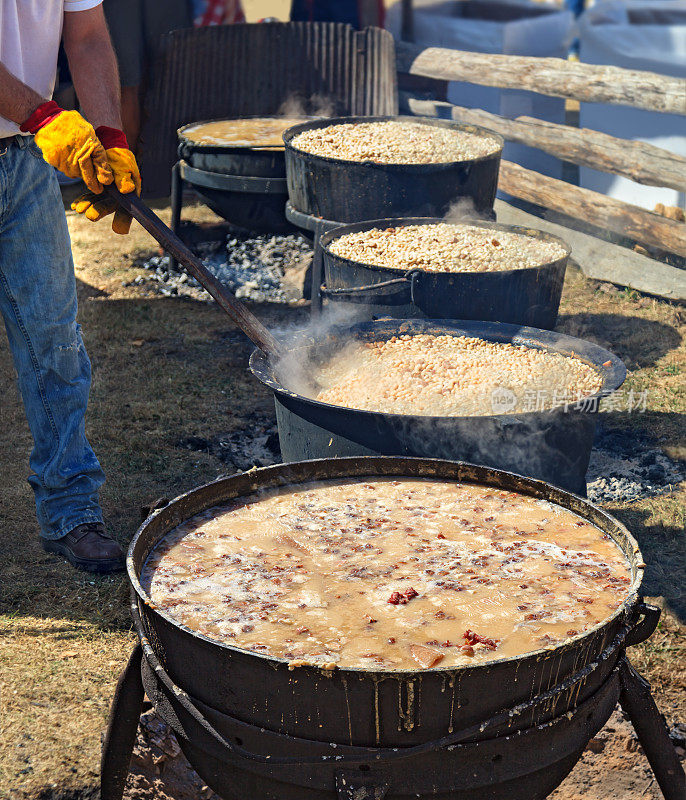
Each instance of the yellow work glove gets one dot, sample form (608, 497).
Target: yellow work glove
(70, 144)
(127, 179)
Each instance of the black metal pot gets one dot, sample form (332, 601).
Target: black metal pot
(263, 162)
(244, 185)
(554, 446)
(509, 729)
(529, 296)
(253, 203)
(350, 191)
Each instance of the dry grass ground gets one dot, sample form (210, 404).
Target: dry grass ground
(165, 369)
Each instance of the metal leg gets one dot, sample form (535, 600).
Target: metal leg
(649, 724)
(176, 204)
(120, 738)
(315, 296)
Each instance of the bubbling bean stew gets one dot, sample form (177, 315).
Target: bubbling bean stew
(249, 132)
(388, 574)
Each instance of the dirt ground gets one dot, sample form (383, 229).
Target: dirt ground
(166, 369)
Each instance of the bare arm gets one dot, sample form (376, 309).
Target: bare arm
(17, 100)
(93, 66)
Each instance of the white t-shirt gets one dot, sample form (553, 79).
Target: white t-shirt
(30, 33)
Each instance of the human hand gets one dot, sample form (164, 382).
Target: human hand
(70, 144)
(127, 179)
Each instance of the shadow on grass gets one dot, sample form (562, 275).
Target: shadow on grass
(664, 553)
(638, 342)
(651, 428)
(87, 793)
(657, 522)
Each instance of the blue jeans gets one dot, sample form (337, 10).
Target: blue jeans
(38, 304)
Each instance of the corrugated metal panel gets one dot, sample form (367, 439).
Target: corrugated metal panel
(263, 69)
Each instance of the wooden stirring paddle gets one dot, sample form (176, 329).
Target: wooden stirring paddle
(238, 312)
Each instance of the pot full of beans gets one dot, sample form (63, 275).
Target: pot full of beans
(426, 267)
(351, 169)
(510, 397)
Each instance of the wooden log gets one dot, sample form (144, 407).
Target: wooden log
(631, 221)
(556, 77)
(605, 261)
(638, 161)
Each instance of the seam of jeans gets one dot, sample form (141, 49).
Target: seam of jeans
(68, 527)
(3, 192)
(36, 370)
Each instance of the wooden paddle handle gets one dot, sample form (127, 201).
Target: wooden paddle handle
(238, 312)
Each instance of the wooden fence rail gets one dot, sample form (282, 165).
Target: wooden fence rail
(605, 261)
(638, 161)
(595, 208)
(556, 77)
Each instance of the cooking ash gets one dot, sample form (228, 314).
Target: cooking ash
(626, 466)
(254, 446)
(259, 269)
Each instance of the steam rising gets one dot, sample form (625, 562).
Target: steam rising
(464, 210)
(316, 105)
(549, 445)
(295, 370)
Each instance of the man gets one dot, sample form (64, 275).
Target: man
(136, 27)
(358, 13)
(37, 283)
(217, 12)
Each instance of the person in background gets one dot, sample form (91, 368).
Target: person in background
(217, 12)
(37, 283)
(358, 13)
(135, 28)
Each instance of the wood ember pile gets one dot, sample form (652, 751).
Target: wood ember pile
(159, 770)
(257, 268)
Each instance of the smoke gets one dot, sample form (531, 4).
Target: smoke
(549, 445)
(297, 105)
(293, 106)
(322, 106)
(464, 210)
(297, 369)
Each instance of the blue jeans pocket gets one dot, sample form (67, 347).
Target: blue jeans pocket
(35, 151)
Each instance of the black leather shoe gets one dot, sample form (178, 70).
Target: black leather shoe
(88, 547)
